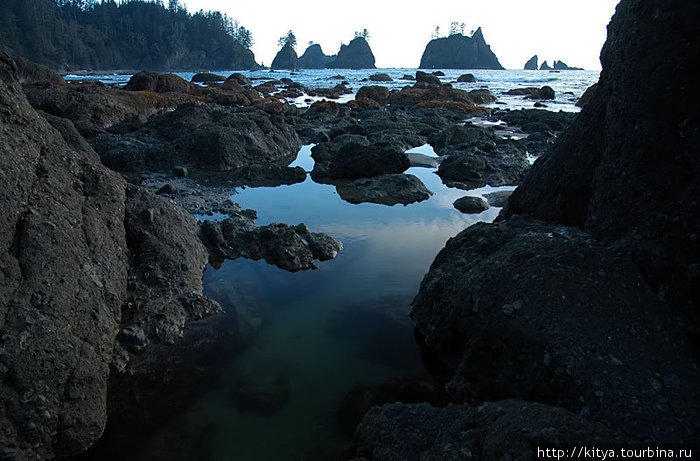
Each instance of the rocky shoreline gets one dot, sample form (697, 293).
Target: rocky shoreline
(560, 323)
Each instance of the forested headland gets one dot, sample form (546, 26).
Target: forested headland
(129, 34)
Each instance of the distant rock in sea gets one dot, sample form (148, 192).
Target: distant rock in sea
(561, 65)
(545, 66)
(286, 59)
(355, 55)
(531, 64)
(314, 58)
(459, 52)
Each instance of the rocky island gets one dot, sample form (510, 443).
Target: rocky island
(459, 52)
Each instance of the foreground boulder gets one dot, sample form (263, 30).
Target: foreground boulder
(76, 254)
(544, 313)
(388, 189)
(158, 83)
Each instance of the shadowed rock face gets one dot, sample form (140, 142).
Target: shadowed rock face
(627, 169)
(76, 247)
(286, 58)
(314, 58)
(531, 64)
(355, 55)
(459, 52)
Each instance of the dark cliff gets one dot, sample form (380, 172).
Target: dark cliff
(459, 52)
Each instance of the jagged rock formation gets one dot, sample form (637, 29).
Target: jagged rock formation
(545, 66)
(74, 247)
(286, 58)
(355, 55)
(314, 58)
(531, 64)
(459, 52)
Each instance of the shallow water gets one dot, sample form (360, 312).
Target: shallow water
(326, 330)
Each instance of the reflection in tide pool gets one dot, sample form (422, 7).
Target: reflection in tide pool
(329, 329)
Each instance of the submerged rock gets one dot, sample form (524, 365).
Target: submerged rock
(388, 189)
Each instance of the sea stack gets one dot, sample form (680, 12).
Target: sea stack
(355, 55)
(531, 64)
(286, 58)
(459, 52)
(314, 58)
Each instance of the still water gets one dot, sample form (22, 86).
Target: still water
(325, 330)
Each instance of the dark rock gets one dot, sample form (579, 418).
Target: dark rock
(376, 93)
(84, 257)
(292, 248)
(238, 78)
(507, 430)
(286, 58)
(459, 52)
(467, 78)
(355, 55)
(205, 137)
(427, 80)
(70, 135)
(388, 189)
(359, 161)
(561, 65)
(546, 92)
(207, 77)
(158, 83)
(625, 170)
(482, 96)
(181, 171)
(408, 77)
(498, 163)
(514, 309)
(471, 204)
(380, 78)
(531, 64)
(31, 73)
(545, 66)
(438, 73)
(587, 95)
(263, 391)
(165, 190)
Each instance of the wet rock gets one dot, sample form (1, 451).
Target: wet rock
(388, 189)
(546, 92)
(425, 80)
(471, 204)
(361, 161)
(292, 248)
(238, 78)
(467, 78)
(158, 83)
(264, 391)
(522, 309)
(207, 77)
(587, 95)
(267, 175)
(376, 93)
(380, 78)
(499, 199)
(511, 429)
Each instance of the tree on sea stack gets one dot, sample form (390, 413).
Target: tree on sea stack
(288, 40)
(364, 34)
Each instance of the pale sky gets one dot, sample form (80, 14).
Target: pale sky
(569, 30)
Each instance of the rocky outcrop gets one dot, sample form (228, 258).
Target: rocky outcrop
(200, 136)
(459, 52)
(87, 267)
(467, 78)
(624, 171)
(158, 83)
(286, 58)
(545, 66)
(355, 55)
(314, 58)
(531, 64)
(357, 160)
(546, 92)
(207, 77)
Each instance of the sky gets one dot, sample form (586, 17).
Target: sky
(569, 30)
